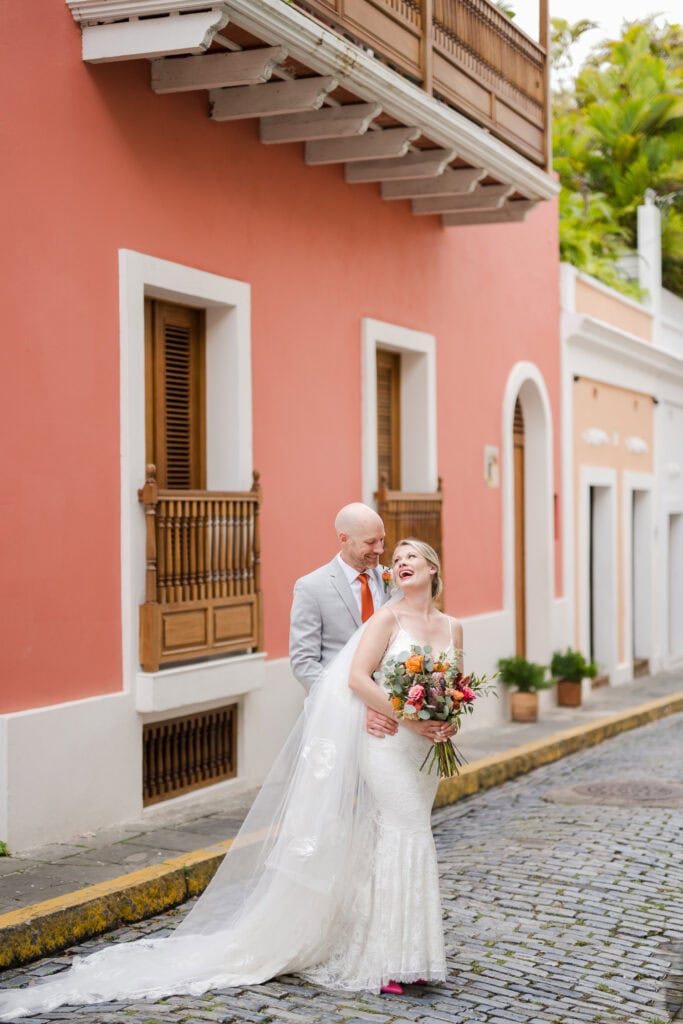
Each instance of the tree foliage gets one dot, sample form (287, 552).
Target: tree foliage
(618, 131)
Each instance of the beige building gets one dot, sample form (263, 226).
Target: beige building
(623, 423)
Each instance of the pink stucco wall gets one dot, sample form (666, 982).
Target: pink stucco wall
(97, 162)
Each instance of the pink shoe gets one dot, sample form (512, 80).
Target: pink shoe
(392, 988)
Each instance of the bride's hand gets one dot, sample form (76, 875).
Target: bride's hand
(435, 731)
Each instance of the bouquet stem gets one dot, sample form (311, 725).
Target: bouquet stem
(447, 758)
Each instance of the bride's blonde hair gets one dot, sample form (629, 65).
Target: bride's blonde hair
(430, 556)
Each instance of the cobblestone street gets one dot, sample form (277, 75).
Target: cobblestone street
(560, 906)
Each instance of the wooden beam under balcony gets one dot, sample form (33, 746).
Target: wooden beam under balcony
(423, 163)
(152, 37)
(511, 212)
(271, 98)
(325, 123)
(490, 197)
(216, 70)
(453, 182)
(380, 145)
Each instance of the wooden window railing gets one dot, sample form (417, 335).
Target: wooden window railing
(410, 515)
(203, 579)
(183, 754)
(466, 52)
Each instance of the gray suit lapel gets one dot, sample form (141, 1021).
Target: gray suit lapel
(341, 585)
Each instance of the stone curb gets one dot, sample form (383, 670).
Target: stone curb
(53, 925)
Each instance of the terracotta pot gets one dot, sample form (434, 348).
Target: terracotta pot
(524, 707)
(569, 692)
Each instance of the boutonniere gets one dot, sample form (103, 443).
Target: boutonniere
(387, 579)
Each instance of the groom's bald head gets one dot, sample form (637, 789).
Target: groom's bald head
(360, 532)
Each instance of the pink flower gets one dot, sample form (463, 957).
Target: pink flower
(416, 693)
(468, 695)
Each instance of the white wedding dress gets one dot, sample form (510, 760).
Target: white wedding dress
(333, 875)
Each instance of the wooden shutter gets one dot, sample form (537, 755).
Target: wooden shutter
(175, 390)
(389, 418)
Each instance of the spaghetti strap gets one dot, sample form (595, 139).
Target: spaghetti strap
(398, 621)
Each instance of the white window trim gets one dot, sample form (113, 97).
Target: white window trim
(597, 476)
(229, 432)
(418, 405)
(644, 483)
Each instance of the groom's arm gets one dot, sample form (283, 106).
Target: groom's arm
(305, 636)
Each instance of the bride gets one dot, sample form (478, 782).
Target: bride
(333, 875)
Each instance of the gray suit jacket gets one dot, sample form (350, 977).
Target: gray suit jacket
(324, 616)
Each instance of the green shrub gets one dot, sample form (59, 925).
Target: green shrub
(572, 666)
(525, 676)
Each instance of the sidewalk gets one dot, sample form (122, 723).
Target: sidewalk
(53, 896)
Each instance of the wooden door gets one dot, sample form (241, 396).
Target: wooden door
(520, 575)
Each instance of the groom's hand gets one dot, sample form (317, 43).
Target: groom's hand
(379, 725)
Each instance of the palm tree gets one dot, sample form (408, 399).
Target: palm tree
(617, 132)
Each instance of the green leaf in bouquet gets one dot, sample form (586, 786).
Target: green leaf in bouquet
(403, 656)
(427, 648)
(424, 715)
(409, 709)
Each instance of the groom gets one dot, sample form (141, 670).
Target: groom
(331, 603)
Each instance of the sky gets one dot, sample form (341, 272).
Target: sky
(609, 14)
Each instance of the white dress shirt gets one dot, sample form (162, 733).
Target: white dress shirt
(373, 576)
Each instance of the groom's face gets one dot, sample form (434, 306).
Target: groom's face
(363, 548)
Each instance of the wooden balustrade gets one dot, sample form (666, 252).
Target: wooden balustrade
(180, 755)
(467, 52)
(203, 586)
(410, 515)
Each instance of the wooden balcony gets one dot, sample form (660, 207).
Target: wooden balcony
(465, 52)
(407, 514)
(203, 587)
(443, 103)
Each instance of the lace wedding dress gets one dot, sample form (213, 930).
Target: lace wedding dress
(333, 875)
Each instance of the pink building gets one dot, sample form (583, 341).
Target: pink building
(233, 235)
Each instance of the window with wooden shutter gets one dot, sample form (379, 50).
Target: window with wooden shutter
(389, 418)
(175, 390)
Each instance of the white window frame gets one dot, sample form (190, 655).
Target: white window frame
(417, 349)
(229, 450)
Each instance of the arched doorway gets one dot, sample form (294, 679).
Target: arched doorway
(528, 535)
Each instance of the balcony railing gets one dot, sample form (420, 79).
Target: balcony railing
(407, 514)
(466, 52)
(203, 585)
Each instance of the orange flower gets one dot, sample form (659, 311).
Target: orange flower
(396, 703)
(455, 694)
(415, 663)
(441, 666)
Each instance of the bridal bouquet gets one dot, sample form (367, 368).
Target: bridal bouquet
(423, 688)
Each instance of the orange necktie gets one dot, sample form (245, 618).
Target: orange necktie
(367, 605)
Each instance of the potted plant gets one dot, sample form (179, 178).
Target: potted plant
(527, 678)
(570, 669)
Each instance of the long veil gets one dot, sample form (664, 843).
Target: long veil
(279, 898)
